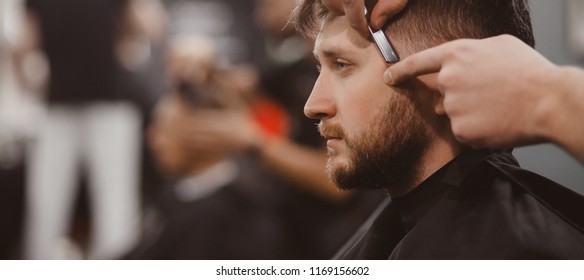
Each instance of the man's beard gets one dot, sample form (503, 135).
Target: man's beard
(388, 155)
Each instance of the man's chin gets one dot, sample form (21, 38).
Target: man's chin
(343, 180)
(341, 175)
(335, 163)
(347, 177)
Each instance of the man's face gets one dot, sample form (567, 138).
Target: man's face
(375, 136)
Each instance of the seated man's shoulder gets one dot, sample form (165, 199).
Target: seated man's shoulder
(509, 184)
(500, 211)
(514, 213)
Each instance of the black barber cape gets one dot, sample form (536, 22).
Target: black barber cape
(479, 206)
(214, 218)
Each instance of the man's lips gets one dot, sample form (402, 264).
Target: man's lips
(332, 137)
(333, 141)
(333, 134)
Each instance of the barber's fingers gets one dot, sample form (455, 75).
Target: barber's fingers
(355, 12)
(425, 62)
(353, 9)
(384, 9)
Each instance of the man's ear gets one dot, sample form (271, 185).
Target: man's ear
(430, 83)
(439, 103)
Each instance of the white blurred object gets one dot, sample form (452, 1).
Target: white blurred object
(67, 249)
(10, 11)
(575, 9)
(135, 53)
(101, 138)
(19, 116)
(19, 110)
(146, 25)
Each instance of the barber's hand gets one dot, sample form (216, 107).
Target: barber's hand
(221, 130)
(496, 90)
(354, 9)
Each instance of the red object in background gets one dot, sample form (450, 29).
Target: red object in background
(271, 118)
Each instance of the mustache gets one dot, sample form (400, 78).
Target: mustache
(331, 131)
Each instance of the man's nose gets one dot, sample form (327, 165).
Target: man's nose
(320, 104)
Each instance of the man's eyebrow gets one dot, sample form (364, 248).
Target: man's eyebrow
(332, 51)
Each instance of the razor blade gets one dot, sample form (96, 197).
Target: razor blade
(384, 45)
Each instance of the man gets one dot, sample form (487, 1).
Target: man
(211, 207)
(292, 168)
(477, 118)
(313, 206)
(447, 201)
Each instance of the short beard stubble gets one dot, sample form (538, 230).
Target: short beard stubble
(388, 155)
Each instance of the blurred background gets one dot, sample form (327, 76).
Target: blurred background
(173, 129)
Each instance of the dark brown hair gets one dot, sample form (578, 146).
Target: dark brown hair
(426, 23)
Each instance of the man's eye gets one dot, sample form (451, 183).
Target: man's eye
(341, 64)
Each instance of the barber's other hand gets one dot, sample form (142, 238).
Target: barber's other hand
(221, 130)
(383, 10)
(496, 90)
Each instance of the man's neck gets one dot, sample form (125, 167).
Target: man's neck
(438, 154)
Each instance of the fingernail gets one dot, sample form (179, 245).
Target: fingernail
(387, 78)
(380, 22)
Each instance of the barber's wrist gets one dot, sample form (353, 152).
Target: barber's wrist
(255, 145)
(253, 139)
(559, 101)
(265, 145)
